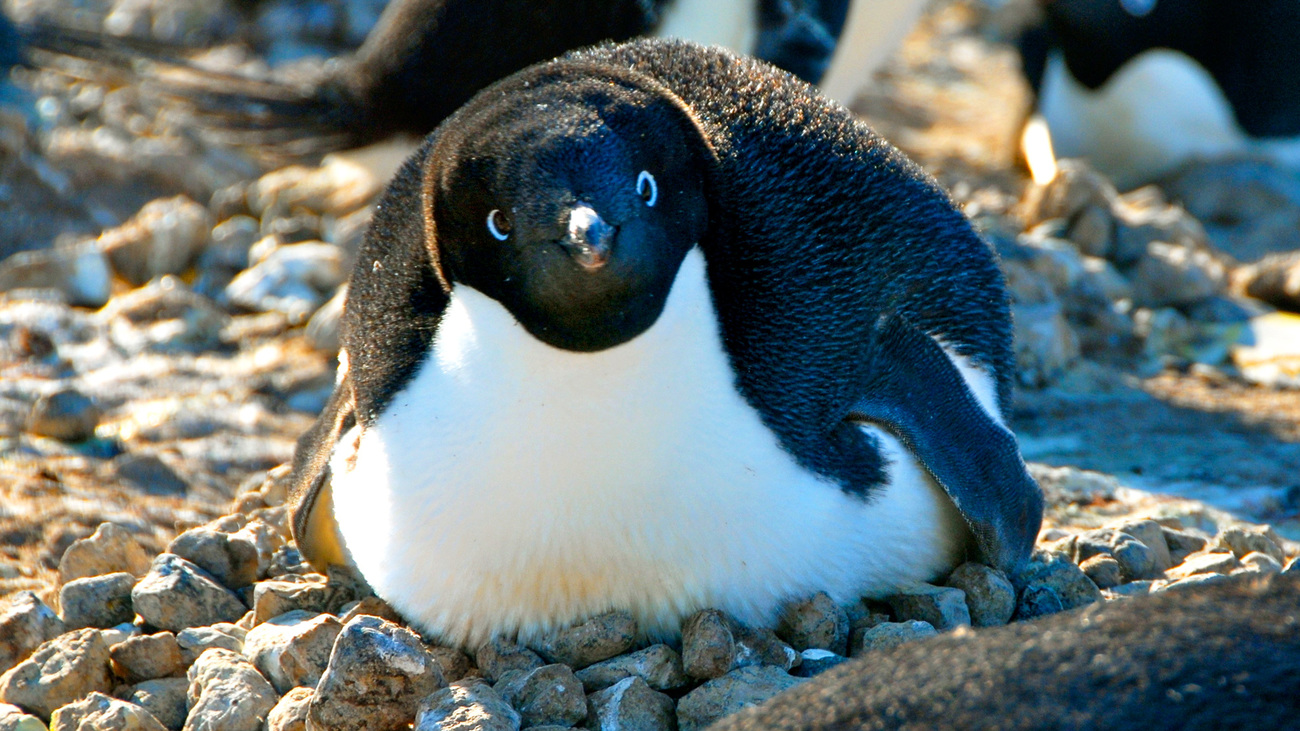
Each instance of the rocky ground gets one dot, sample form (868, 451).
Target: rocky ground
(168, 314)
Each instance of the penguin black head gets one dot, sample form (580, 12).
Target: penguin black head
(572, 200)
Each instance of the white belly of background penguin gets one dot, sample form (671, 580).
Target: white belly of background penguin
(615, 342)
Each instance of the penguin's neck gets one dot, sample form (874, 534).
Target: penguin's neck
(729, 23)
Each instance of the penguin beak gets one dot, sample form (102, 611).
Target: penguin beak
(589, 239)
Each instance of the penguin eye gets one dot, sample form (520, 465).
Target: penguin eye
(647, 188)
(498, 225)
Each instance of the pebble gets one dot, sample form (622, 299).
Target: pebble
(1104, 571)
(551, 694)
(467, 705)
(230, 558)
(25, 623)
(1152, 535)
(110, 549)
(292, 280)
(761, 646)
(658, 665)
(815, 623)
(1242, 540)
(275, 597)
(147, 657)
(630, 704)
(377, 675)
(293, 649)
(1274, 279)
(102, 713)
(1261, 563)
(12, 718)
(708, 645)
(724, 696)
(1182, 544)
(164, 316)
(596, 639)
(176, 595)
(227, 693)
(290, 713)
(1055, 571)
(1176, 275)
(1039, 600)
(1136, 560)
(323, 329)
(1292, 568)
(497, 657)
(943, 607)
(372, 606)
(80, 273)
(1210, 561)
(165, 698)
(891, 634)
(61, 671)
(1045, 343)
(67, 415)
(165, 237)
(815, 662)
(195, 640)
(97, 601)
(150, 474)
(990, 597)
(1192, 582)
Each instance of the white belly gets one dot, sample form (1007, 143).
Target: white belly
(513, 486)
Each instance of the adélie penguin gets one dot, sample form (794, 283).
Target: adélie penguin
(655, 327)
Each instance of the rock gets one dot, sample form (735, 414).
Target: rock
(550, 694)
(817, 623)
(371, 605)
(150, 474)
(1176, 275)
(466, 705)
(990, 597)
(276, 597)
(943, 607)
(1104, 571)
(1194, 582)
(25, 623)
(1075, 189)
(1182, 544)
(708, 645)
(147, 657)
(165, 237)
(1056, 571)
(497, 657)
(891, 634)
(231, 558)
(815, 662)
(1208, 562)
(596, 639)
(12, 718)
(1261, 563)
(61, 671)
(227, 693)
(176, 595)
(725, 695)
(1134, 588)
(110, 549)
(338, 186)
(1152, 535)
(290, 279)
(195, 640)
(164, 316)
(102, 713)
(67, 415)
(292, 649)
(290, 713)
(80, 273)
(1274, 279)
(165, 699)
(630, 704)
(1093, 230)
(1292, 568)
(377, 675)
(454, 663)
(1136, 560)
(1046, 345)
(231, 240)
(658, 665)
(761, 646)
(1269, 353)
(1039, 600)
(1242, 540)
(97, 601)
(323, 327)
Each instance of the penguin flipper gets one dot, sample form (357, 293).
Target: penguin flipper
(916, 392)
(310, 498)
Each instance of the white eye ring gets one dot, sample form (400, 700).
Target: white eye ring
(492, 226)
(643, 181)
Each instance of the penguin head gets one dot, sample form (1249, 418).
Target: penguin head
(572, 199)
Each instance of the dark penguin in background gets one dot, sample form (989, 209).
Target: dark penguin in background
(1142, 86)
(654, 327)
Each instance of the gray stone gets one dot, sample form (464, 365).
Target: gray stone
(891, 634)
(549, 694)
(1292, 568)
(1182, 544)
(290, 279)
(67, 415)
(497, 657)
(275, 597)
(290, 713)
(147, 657)
(196, 640)
(1194, 582)
(97, 601)
(815, 662)
(761, 646)
(1093, 230)
(817, 623)
(1261, 563)
(80, 273)
(1152, 535)
(231, 558)
(467, 705)
(292, 649)
(25, 622)
(658, 665)
(164, 316)
(708, 645)
(1208, 562)
(1046, 345)
(1136, 560)
(1275, 279)
(1075, 189)
(62, 670)
(943, 607)
(990, 597)
(102, 713)
(1056, 571)
(371, 605)
(227, 693)
(110, 549)
(164, 698)
(377, 675)
(454, 663)
(1242, 540)
(12, 718)
(1135, 588)
(176, 595)
(1176, 275)
(1040, 600)
(1104, 571)
(728, 694)
(149, 473)
(324, 327)
(630, 705)
(165, 237)
(596, 639)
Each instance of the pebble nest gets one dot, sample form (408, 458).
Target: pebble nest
(168, 326)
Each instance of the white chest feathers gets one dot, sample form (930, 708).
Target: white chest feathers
(512, 486)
